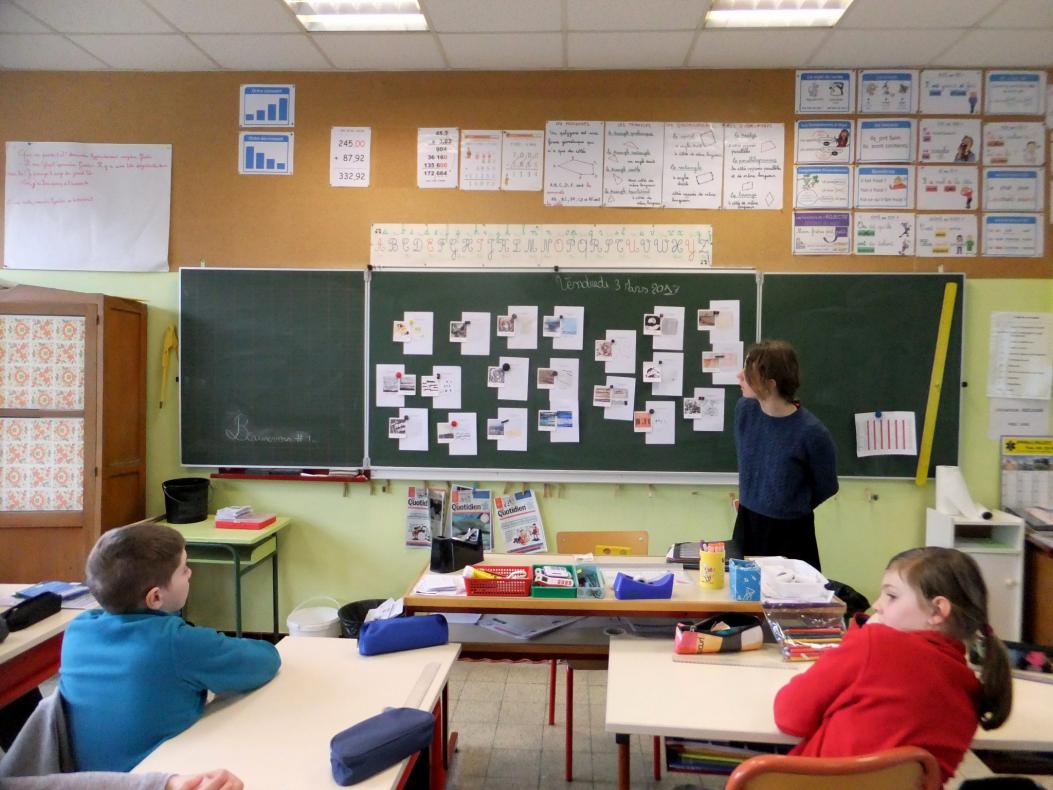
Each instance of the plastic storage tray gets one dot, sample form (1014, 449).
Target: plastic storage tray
(513, 587)
(555, 592)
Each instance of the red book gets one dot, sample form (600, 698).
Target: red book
(251, 521)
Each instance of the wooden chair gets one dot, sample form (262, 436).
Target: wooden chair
(901, 768)
(592, 542)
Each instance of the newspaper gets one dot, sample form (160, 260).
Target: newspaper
(424, 507)
(525, 626)
(470, 509)
(519, 520)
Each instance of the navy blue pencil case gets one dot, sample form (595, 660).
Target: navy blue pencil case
(379, 742)
(402, 633)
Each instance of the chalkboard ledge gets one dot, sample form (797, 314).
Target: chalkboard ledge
(316, 476)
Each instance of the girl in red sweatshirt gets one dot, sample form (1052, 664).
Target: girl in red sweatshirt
(902, 679)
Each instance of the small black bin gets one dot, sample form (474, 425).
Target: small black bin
(353, 614)
(186, 500)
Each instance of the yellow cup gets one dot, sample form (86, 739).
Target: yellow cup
(711, 569)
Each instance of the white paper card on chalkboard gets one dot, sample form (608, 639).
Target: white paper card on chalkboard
(517, 378)
(420, 332)
(388, 385)
(567, 429)
(663, 422)
(449, 387)
(622, 358)
(574, 163)
(524, 326)
(87, 206)
(711, 409)
(724, 313)
(571, 331)
(564, 389)
(671, 328)
(514, 430)
(724, 362)
(415, 429)
(476, 342)
(464, 440)
(671, 365)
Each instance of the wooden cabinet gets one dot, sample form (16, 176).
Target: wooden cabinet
(72, 426)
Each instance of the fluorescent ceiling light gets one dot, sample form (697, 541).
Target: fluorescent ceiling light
(776, 13)
(359, 15)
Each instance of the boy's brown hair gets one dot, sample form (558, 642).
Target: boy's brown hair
(127, 562)
(773, 359)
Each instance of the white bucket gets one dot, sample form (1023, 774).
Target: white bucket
(314, 620)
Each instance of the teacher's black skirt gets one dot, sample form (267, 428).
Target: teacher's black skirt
(761, 536)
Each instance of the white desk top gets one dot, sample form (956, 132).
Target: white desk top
(650, 694)
(21, 641)
(277, 737)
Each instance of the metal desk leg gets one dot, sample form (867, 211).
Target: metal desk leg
(274, 587)
(237, 594)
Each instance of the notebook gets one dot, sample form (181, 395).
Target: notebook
(66, 590)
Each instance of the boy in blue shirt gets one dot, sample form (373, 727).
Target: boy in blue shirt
(134, 673)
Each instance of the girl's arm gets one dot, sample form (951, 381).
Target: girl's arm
(822, 456)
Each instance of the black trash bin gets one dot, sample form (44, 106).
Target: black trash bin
(353, 614)
(186, 500)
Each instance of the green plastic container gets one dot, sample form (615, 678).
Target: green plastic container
(555, 592)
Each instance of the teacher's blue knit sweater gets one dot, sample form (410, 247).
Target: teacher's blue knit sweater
(131, 681)
(787, 465)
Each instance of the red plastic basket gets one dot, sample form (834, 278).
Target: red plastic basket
(499, 586)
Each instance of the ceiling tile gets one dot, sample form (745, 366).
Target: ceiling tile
(1001, 48)
(262, 52)
(915, 13)
(49, 52)
(602, 15)
(14, 20)
(755, 49)
(1031, 14)
(883, 48)
(636, 50)
(480, 16)
(229, 16)
(97, 16)
(148, 53)
(381, 51)
(503, 51)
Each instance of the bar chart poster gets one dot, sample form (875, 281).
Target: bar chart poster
(268, 105)
(261, 154)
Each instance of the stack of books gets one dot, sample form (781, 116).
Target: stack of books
(242, 517)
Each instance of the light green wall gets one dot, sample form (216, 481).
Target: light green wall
(351, 547)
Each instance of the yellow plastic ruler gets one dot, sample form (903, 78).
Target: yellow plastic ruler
(939, 361)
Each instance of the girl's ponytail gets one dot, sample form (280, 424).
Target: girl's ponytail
(996, 683)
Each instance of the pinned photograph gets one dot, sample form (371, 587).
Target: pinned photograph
(495, 376)
(641, 421)
(670, 326)
(444, 433)
(601, 396)
(546, 378)
(652, 372)
(550, 326)
(400, 331)
(652, 324)
(564, 419)
(495, 429)
(429, 386)
(720, 361)
(568, 325)
(692, 408)
(458, 331)
(506, 325)
(707, 319)
(390, 383)
(546, 420)
(619, 396)
(604, 350)
(397, 427)
(408, 383)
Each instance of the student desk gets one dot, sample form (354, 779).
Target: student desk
(277, 737)
(243, 549)
(650, 694)
(30, 656)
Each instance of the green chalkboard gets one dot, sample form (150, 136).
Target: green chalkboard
(271, 368)
(866, 343)
(611, 300)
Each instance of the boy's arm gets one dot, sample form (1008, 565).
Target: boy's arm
(801, 703)
(222, 663)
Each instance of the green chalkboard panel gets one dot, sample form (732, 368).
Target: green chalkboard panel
(271, 368)
(866, 343)
(612, 300)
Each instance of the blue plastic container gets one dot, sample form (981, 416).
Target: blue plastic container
(628, 588)
(744, 580)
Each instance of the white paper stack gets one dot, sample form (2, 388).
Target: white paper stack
(233, 512)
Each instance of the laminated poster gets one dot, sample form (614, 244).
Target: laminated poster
(883, 234)
(574, 163)
(950, 188)
(754, 155)
(632, 164)
(821, 233)
(437, 158)
(825, 91)
(693, 165)
(1015, 93)
(951, 91)
(1013, 235)
(522, 156)
(1013, 189)
(949, 140)
(890, 140)
(885, 187)
(888, 92)
(823, 142)
(1014, 144)
(947, 235)
(480, 159)
(822, 186)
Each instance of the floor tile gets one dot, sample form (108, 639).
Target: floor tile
(477, 710)
(482, 690)
(517, 767)
(518, 712)
(518, 736)
(488, 671)
(553, 764)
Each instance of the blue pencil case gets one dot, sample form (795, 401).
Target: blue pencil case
(379, 742)
(402, 633)
(628, 588)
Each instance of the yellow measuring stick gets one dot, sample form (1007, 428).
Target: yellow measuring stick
(939, 361)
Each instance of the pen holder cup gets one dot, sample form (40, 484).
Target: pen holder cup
(711, 570)
(744, 580)
(627, 588)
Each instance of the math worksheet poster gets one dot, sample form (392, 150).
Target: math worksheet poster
(574, 163)
(437, 158)
(754, 155)
(480, 159)
(522, 156)
(632, 164)
(693, 165)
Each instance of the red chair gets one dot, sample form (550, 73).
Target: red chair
(901, 768)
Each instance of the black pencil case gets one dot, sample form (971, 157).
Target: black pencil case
(32, 610)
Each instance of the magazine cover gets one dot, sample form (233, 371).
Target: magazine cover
(519, 520)
(470, 509)
(424, 511)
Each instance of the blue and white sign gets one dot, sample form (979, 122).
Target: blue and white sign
(823, 142)
(885, 187)
(1013, 235)
(825, 92)
(265, 154)
(889, 140)
(1015, 93)
(822, 186)
(951, 91)
(889, 92)
(1017, 189)
(267, 105)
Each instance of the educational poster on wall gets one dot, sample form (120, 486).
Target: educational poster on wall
(950, 188)
(1014, 144)
(265, 153)
(522, 157)
(883, 234)
(885, 187)
(821, 233)
(693, 165)
(1027, 473)
(632, 164)
(1013, 235)
(947, 140)
(437, 158)
(1019, 358)
(888, 92)
(946, 235)
(754, 156)
(1015, 93)
(824, 92)
(951, 91)
(267, 105)
(822, 186)
(349, 156)
(1013, 189)
(890, 140)
(574, 163)
(823, 142)
(480, 164)
(87, 206)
